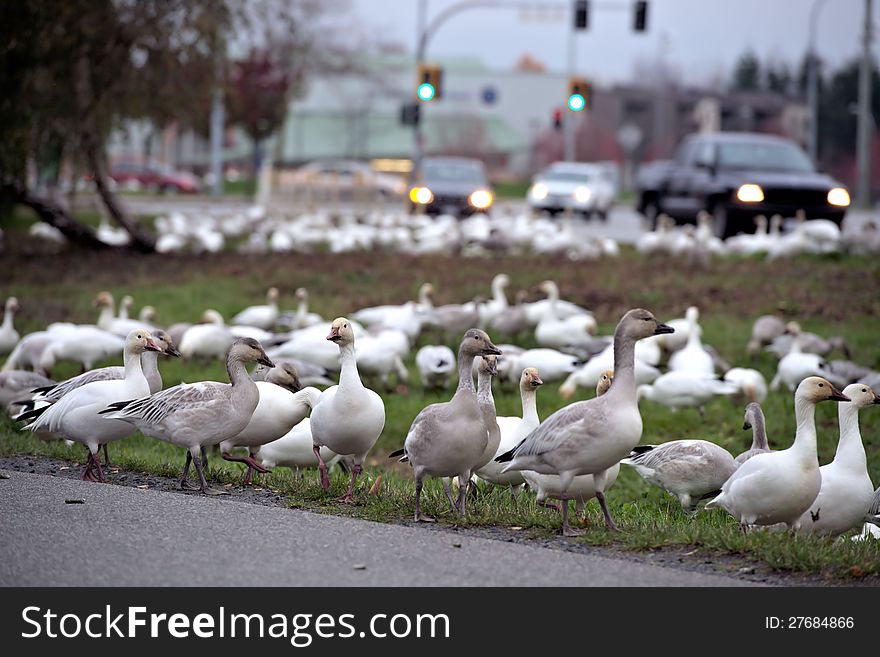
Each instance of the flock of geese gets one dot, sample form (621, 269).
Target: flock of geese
(279, 416)
(255, 231)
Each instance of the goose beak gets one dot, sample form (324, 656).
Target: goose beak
(493, 370)
(536, 381)
(491, 350)
(171, 350)
(264, 360)
(836, 395)
(660, 329)
(876, 398)
(152, 346)
(747, 426)
(334, 335)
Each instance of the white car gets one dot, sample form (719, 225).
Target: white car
(581, 186)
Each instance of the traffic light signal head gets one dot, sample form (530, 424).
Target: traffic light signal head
(640, 18)
(581, 14)
(557, 118)
(578, 94)
(428, 82)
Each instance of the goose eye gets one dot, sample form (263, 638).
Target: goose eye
(821, 385)
(864, 390)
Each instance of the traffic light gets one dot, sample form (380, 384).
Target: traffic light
(581, 14)
(640, 18)
(430, 77)
(557, 118)
(578, 94)
(409, 114)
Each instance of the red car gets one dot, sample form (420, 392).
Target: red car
(154, 177)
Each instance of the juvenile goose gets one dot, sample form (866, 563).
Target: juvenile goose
(689, 469)
(765, 329)
(436, 364)
(692, 357)
(779, 487)
(16, 384)
(847, 493)
(448, 438)
(347, 418)
(487, 370)
(754, 420)
(514, 429)
(589, 437)
(583, 487)
(76, 415)
(198, 415)
(8, 335)
(264, 316)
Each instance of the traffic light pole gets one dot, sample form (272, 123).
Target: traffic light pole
(568, 123)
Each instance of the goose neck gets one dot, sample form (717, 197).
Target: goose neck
(850, 449)
(7, 319)
(498, 292)
(805, 435)
(105, 317)
(465, 372)
(150, 363)
(484, 391)
(238, 373)
(348, 373)
(624, 366)
(132, 362)
(302, 308)
(530, 405)
(759, 432)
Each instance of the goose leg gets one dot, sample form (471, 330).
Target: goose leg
(609, 522)
(204, 454)
(96, 460)
(420, 517)
(566, 529)
(207, 490)
(106, 456)
(348, 498)
(184, 484)
(448, 489)
(322, 467)
(462, 492)
(580, 509)
(88, 474)
(249, 461)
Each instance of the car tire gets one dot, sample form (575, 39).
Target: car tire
(651, 211)
(722, 223)
(602, 215)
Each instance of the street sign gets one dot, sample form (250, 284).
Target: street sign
(629, 136)
(489, 95)
(409, 114)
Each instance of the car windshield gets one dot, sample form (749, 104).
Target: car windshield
(763, 156)
(453, 172)
(569, 176)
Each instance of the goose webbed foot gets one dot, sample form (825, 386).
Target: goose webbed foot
(419, 516)
(566, 529)
(348, 498)
(203, 483)
(89, 474)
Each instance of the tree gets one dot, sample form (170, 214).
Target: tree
(747, 73)
(778, 78)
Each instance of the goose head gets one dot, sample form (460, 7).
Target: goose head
(301, 294)
(477, 343)
(793, 328)
(248, 350)
(861, 396)
(341, 332)
(761, 223)
(692, 314)
(103, 300)
(501, 280)
(530, 379)
(753, 411)
(639, 323)
(140, 340)
(147, 314)
(165, 343)
(549, 288)
(126, 302)
(211, 316)
(489, 365)
(12, 305)
(815, 389)
(284, 375)
(605, 381)
(272, 295)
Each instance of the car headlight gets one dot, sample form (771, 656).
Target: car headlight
(582, 194)
(838, 196)
(539, 191)
(750, 193)
(421, 195)
(480, 199)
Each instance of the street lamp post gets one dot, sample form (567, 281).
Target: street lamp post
(863, 145)
(812, 83)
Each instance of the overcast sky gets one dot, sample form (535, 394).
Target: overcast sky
(699, 38)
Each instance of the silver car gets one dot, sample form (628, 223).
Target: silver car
(583, 187)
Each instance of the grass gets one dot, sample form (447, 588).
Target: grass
(828, 295)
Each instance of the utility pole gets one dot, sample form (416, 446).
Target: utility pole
(813, 84)
(421, 37)
(217, 118)
(863, 145)
(568, 123)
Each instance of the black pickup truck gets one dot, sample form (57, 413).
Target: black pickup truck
(736, 176)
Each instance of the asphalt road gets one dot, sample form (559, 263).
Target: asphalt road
(120, 536)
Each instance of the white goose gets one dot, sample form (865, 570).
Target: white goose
(303, 318)
(436, 364)
(18, 384)
(552, 330)
(754, 420)
(81, 344)
(589, 437)
(347, 418)
(8, 335)
(681, 389)
(498, 303)
(689, 469)
(692, 357)
(447, 439)
(552, 364)
(77, 417)
(109, 322)
(751, 383)
(208, 339)
(199, 415)
(590, 373)
(847, 493)
(514, 429)
(294, 450)
(779, 487)
(583, 487)
(264, 316)
(765, 329)
(797, 365)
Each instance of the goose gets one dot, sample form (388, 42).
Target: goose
(309, 374)
(283, 374)
(382, 354)
(563, 309)
(27, 353)
(264, 316)
(198, 415)
(689, 469)
(435, 364)
(303, 318)
(147, 315)
(294, 450)
(513, 430)
(110, 323)
(386, 314)
(750, 244)
(512, 319)
(125, 305)
(552, 364)
(692, 357)
(658, 241)
(454, 318)
(796, 365)
(15, 384)
(681, 389)
(754, 420)
(810, 342)
(278, 411)
(8, 335)
(764, 330)
(347, 418)
(589, 437)
(310, 345)
(589, 374)
(751, 383)
(490, 310)
(552, 331)
(214, 318)
(85, 345)
(779, 487)
(486, 402)
(446, 439)
(583, 487)
(76, 415)
(846, 493)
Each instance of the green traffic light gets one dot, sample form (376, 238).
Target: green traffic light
(426, 91)
(576, 102)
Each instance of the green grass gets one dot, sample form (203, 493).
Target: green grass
(828, 295)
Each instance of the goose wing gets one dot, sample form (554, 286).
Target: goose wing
(156, 408)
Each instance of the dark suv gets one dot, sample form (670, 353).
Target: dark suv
(736, 176)
(452, 185)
